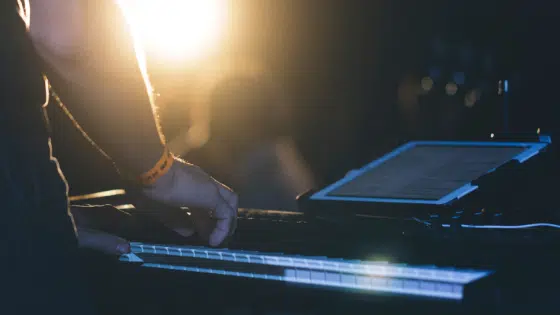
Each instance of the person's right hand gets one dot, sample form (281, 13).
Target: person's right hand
(212, 205)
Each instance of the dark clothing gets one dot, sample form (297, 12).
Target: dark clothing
(39, 247)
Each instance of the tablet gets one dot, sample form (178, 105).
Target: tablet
(427, 172)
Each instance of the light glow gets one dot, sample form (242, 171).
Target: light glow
(98, 195)
(178, 28)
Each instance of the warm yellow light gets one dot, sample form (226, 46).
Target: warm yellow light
(178, 28)
(427, 84)
(102, 194)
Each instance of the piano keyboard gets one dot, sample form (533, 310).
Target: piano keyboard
(366, 276)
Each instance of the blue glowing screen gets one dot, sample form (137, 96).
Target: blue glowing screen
(367, 276)
(427, 172)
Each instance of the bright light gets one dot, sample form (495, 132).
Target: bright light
(178, 28)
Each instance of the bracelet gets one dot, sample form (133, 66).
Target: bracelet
(161, 167)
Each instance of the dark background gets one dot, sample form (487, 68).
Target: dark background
(342, 64)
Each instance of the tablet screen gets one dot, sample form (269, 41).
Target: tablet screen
(426, 172)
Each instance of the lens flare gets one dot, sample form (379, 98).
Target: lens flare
(178, 28)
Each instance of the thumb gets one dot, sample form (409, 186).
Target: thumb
(103, 242)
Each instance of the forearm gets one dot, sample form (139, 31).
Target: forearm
(116, 114)
(106, 92)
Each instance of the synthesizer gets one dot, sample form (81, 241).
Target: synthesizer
(277, 256)
(455, 243)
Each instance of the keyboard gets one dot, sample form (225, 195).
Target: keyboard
(322, 272)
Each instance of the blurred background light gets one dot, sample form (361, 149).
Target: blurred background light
(427, 83)
(435, 73)
(451, 88)
(472, 97)
(459, 78)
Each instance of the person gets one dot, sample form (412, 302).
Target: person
(86, 51)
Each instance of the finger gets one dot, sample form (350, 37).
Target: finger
(221, 230)
(203, 223)
(224, 202)
(225, 216)
(101, 241)
(231, 198)
(228, 195)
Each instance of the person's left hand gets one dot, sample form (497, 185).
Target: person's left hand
(89, 230)
(102, 242)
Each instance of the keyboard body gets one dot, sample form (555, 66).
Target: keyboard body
(522, 274)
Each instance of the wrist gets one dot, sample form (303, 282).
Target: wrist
(160, 188)
(155, 174)
(160, 169)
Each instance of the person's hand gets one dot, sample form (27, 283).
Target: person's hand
(212, 205)
(91, 226)
(102, 242)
